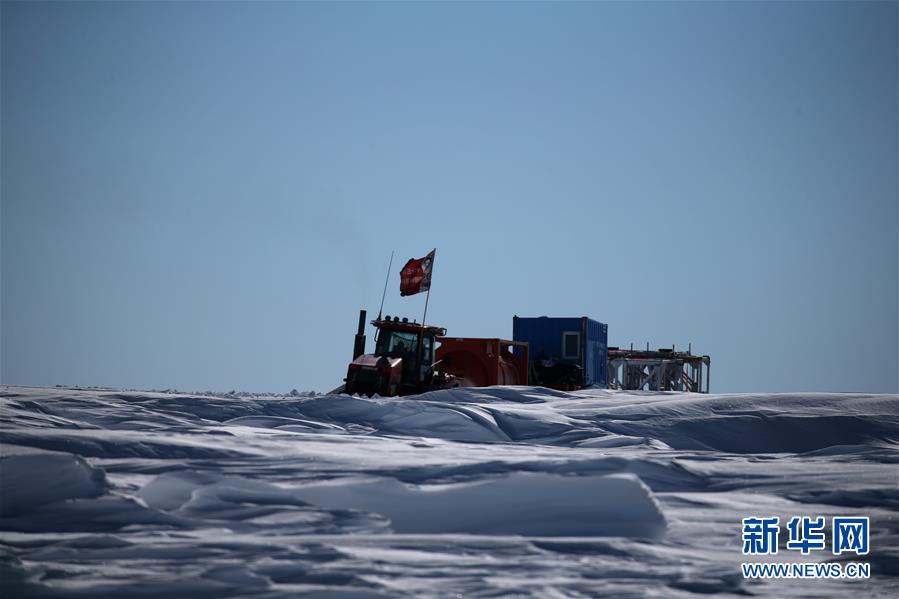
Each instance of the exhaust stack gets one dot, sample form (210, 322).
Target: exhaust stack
(359, 345)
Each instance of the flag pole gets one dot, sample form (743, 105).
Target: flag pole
(431, 282)
(424, 316)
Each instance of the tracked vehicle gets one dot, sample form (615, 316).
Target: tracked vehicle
(410, 358)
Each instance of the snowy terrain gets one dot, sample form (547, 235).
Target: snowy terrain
(462, 493)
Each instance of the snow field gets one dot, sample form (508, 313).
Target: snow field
(479, 492)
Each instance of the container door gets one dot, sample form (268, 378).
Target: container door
(591, 356)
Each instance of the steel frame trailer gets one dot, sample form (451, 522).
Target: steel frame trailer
(658, 370)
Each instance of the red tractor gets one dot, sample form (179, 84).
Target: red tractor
(405, 361)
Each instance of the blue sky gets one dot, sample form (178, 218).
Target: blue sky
(202, 195)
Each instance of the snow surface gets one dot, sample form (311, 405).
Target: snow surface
(466, 492)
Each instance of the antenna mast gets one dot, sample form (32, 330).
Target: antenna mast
(387, 280)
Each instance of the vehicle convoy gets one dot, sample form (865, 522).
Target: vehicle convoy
(560, 353)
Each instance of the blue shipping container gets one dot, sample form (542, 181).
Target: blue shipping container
(582, 341)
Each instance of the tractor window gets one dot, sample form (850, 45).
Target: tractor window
(396, 343)
(426, 357)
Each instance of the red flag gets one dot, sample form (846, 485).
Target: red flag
(416, 275)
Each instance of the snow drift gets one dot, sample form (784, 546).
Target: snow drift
(480, 492)
(32, 480)
(522, 503)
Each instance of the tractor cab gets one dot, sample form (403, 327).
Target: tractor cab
(401, 363)
(399, 338)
